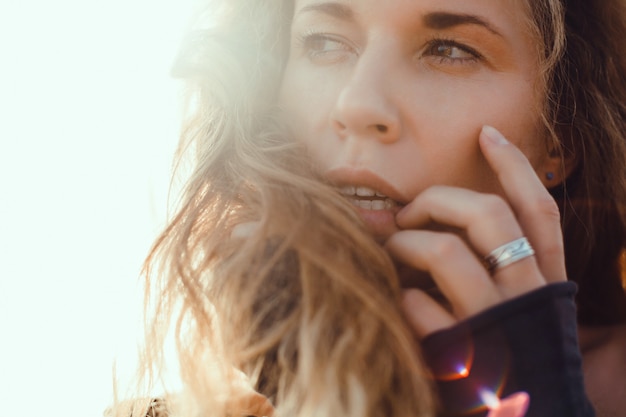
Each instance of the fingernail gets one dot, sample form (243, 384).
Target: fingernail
(494, 135)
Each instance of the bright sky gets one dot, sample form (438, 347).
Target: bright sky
(88, 124)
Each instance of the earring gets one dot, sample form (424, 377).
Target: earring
(549, 176)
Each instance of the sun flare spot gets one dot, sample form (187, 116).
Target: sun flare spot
(489, 398)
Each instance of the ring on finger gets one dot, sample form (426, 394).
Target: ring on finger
(508, 253)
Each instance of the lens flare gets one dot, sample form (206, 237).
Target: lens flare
(515, 405)
(462, 371)
(489, 398)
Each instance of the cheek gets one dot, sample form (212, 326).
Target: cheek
(520, 121)
(452, 115)
(510, 104)
(306, 102)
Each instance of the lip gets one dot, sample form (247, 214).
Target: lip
(380, 223)
(361, 177)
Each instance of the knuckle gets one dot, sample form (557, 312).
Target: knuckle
(545, 206)
(494, 206)
(431, 194)
(445, 247)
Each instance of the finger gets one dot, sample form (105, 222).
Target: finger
(488, 222)
(487, 219)
(535, 209)
(459, 275)
(425, 315)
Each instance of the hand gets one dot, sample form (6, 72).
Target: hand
(486, 222)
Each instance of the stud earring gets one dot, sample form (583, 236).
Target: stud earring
(549, 176)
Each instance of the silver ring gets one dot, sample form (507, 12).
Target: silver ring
(509, 253)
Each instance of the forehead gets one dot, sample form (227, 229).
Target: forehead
(506, 13)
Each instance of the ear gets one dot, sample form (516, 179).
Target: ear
(557, 167)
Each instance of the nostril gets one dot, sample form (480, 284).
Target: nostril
(382, 128)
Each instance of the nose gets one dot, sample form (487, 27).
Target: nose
(365, 106)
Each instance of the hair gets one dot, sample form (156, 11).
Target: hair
(587, 110)
(269, 272)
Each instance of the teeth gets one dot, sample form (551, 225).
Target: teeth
(379, 201)
(386, 204)
(361, 191)
(348, 190)
(365, 204)
(378, 205)
(365, 192)
(389, 203)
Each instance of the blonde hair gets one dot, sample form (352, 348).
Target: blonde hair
(304, 303)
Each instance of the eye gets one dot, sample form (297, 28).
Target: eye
(451, 52)
(324, 48)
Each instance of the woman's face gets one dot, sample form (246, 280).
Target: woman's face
(390, 96)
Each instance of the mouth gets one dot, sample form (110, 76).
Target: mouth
(367, 190)
(368, 198)
(376, 200)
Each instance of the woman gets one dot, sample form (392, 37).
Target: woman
(391, 105)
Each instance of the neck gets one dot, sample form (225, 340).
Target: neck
(593, 337)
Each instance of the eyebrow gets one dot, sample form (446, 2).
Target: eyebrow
(434, 20)
(446, 20)
(333, 9)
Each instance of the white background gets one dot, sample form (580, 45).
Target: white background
(88, 125)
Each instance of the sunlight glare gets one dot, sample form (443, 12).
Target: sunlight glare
(489, 398)
(90, 118)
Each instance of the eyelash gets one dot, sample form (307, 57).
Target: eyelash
(433, 44)
(305, 42)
